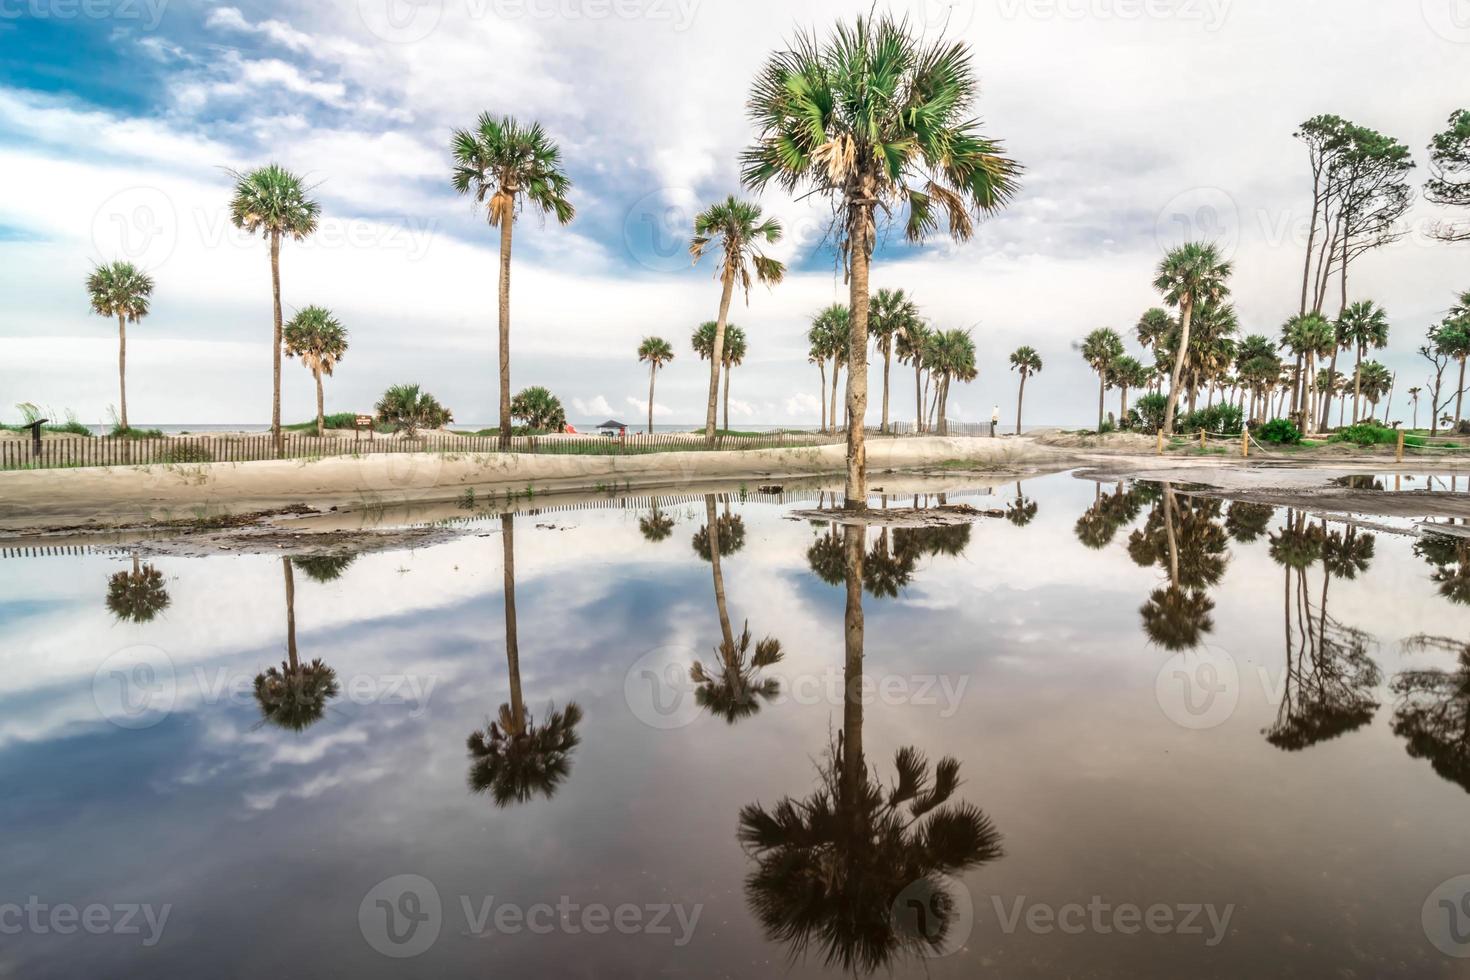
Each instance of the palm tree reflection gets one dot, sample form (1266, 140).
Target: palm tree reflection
(138, 595)
(1022, 510)
(1101, 522)
(733, 688)
(1185, 538)
(294, 696)
(513, 758)
(1433, 714)
(655, 526)
(325, 568)
(855, 869)
(1450, 556)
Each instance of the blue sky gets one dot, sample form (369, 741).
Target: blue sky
(118, 120)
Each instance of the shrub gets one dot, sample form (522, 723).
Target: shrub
(1365, 434)
(1279, 432)
(539, 409)
(334, 420)
(130, 433)
(187, 452)
(1223, 419)
(1106, 427)
(407, 409)
(1150, 409)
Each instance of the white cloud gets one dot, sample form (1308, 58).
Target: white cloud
(591, 407)
(660, 410)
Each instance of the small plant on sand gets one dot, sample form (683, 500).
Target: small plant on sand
(1279, 432)
(1150, 409)
(1365, 434)
(407, 409)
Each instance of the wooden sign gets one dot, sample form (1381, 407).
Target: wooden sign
(364, 422)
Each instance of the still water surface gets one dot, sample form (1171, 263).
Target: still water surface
(1108, 731)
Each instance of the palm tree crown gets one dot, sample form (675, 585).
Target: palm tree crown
(735, 227)
(275, 202)
(503, 161)
(120, 289)
(317, 337)
(655, 351)
(1026, 360)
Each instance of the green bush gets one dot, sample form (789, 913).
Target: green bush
(1105, 428)
(539, 409)
(407, 409)
(1365, 434)
(1279, 432)
(187, 452)
(1222, 419)
(121, 433)
(333, 420)
(1150, 409)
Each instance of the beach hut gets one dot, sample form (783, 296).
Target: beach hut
(613, 429)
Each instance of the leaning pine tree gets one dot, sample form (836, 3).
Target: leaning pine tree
(875, 116)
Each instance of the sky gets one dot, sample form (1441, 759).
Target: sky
(1140, 123)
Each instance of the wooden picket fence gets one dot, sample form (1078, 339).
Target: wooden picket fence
(61, 453)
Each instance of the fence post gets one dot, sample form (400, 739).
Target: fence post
(1201, 439)
(1245, 443)
(1399, 451)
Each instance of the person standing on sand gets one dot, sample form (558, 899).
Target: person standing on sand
(994, 420)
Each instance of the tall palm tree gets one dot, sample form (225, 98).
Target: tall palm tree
(137, 596)
(1189, 276)
(1100, 349)
(1027, 362)
(736, 229)
(514, 758)
(1127, 372)
(320, 340)
(954, 359)
(819, 337)
(121, 290)
(1308, 337)
(842, 869)
(656, 352)
(832, 328)
(1362, 325)
(1154, 329)
(734, 357)
(505, 164)
(875, 116)
(275, 202)
(294, 696)
(1414, 394)
(912, 344)
(890, 314)
(1374, 381)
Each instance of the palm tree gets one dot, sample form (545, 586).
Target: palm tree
(320, 340)
(734, 357)
(875, 117)
(890, 315)
(954, 358)
(539, 409)
(1100, 349)
(513, 758)
(655, 526)
(1453, 338)
(1257, 366)
(1414, 394)
(275, 202)
(1190, 276)
(736, 228)
(1308, 337)
(1027, 362)
(139, 595)
(294, 696)
(843, 868)
(657, 352)
(912, 344)
(1127, 372)
(407, 409)
(504, 163)
(831, 330)
(1362, 325)
(1374, 381)
(1154, 329)
(819, 337)
(121, 290)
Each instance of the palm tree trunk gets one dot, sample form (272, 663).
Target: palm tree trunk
(652, 372)
(822, 401)
(506, 226)
(122, 366)
(836, 375)
(1020, 400)
(290, 616)
(712, 532)
(512, 647)
(1327, 404)
(887, 365)
(276, 343)
(717, 353)
(1123, 409)
(1102, 390)
(1460, 398)
(1173, 540)
(857, 360)
(918, 395)
(727, 396)
(1185, 315)
(321, 418)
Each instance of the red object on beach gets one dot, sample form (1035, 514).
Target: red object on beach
(570, 429)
